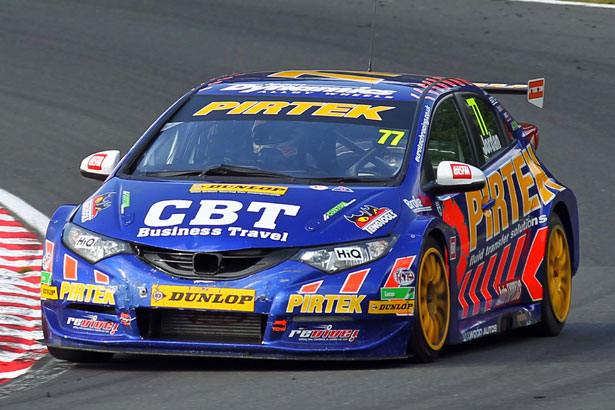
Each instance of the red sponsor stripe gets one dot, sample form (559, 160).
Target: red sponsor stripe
(18, 235)
(70, 268)
(400, 263)
(29, 288)
(534, 260)
(483, 289)
(415, 96)
(21, 295)
(19, 305)
(515, 258)
(32, 279)
(462, 300)
(439, 88)
(354, 281)
(24, 317)
(36, 267)
(100, 277)
(19, 327)
(449, 83)
(20, 258)
(19, 340)
(310, 287)
(427, 97)
(18, 247)
(432, 92)
(6, 367)
(10, 223)
(473, 296)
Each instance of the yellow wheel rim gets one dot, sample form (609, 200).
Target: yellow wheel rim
(559, 273)
(433, 299)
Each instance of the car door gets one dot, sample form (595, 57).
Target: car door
(449, 140)
(497, 215)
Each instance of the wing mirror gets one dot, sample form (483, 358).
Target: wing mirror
(99, 165)
(453, 177)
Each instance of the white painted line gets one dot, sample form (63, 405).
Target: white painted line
(569, 3)
(25, 211)
(20, 241)
(13, 229)
(21, 253)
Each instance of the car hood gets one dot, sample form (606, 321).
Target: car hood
(185, 215)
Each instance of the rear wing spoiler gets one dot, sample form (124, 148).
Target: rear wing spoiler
(535, 90)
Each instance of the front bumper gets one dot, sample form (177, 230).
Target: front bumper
(122, 304)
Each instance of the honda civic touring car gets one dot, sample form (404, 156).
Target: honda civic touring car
(315, 215)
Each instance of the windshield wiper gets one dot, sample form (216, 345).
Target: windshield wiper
(230, 170)
(349, 179)
(173, 173)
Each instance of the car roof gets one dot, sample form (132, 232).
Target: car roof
(333, 83)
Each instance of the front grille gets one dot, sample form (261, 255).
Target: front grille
(226, 265)
(201, 326)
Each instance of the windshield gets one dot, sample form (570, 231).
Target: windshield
(358, 141)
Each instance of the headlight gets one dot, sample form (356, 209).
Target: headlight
(91, 246)
(347, 255)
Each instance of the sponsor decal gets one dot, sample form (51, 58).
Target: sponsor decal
(403, 276)
(70, 268)
(394, 141)
(316, 109)
(126, 319)
(49, 292)
(164, 217)
(359, 76)
(196, 297)
(95, 162)
(423, 135)
(125, 201)
(92, 206)
(239, 188)
(461, 171)
(452, 245)
(480, 332)
(279, 326)
(86, 242)
(88, 293)
(311, 287)
(324, 303)
(91, 323)
(491, 144)
(306, 89)
(45, 278)
(336, 209)
(342, 189)
(319, 187)
(536, 91)
(401, 308)
(518, 188)
(48, 256)
(508, 292)
(400, 275)
(371, 218)
(417, 205)
(324, 333)
(352, 254)
(100, 277)
(401, 293)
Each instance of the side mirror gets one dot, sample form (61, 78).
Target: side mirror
(453, 177)
(99, 165)
(531, 133)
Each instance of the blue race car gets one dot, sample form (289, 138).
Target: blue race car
(316, 215)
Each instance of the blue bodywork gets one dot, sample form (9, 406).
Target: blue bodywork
(302, 311)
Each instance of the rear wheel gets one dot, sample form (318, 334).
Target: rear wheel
(79, 356)
(432, 310)
(557, 280)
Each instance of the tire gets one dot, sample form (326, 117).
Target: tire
(432, 305)
(79, 356)
(556, 280)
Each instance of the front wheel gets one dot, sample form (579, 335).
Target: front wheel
(557, 280)
(432, 311)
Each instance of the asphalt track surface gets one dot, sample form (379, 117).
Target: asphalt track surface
(82, 76)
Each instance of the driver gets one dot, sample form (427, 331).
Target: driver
(279, 145)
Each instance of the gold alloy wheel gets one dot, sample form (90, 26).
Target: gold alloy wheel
(433, 299)
(559, 273)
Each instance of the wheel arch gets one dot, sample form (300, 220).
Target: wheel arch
(570, 222)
